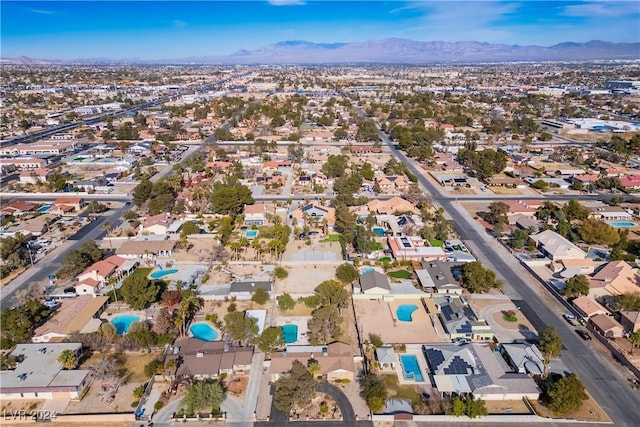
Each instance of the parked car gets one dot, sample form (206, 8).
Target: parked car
(583, 334)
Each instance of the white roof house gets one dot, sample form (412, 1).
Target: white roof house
(557, 247)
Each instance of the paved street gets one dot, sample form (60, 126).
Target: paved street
(52, 262)
(606, 385)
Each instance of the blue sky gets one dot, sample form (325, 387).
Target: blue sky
(179, 29)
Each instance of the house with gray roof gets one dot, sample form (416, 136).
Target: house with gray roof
(387, 358)
(477, 370)
(461, 321)
(374, 283)
(438, 277)
(245, 289)
(523, 358)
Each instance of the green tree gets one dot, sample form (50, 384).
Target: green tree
(335, 166)
(577, 285)
(346, 273)
(598, 232)
(331, 292)
(229, 199)
(497, 213)
(140, 334)
(518, 238)
(189, 305)
(240, 327)
(476, 408)
(189, 228)
(286, 302)
(68, 359)
(139, 292)
(573, 209)
(280, 272)
(566, 395)
(298, 386)
(374, 391)
(634, 338)
(142, 192)
(270, 340)
(477, 279)
(550, 345)
(324, 325)
(627, 302)
(458, 408)
(138, 392)
(203, 396)
(260, 296)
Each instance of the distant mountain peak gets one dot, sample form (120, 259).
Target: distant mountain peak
(393, 50)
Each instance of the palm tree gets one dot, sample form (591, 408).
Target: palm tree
(68, 359)
(107, 226)
(634, 337)
(235, 247)
(189, 305)
(244, 242)
(111, 281)
(256, 246)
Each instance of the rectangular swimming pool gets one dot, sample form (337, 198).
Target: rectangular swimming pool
(410, 367)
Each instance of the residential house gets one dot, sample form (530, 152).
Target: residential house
(199, 359)
(38, 225)
(460, 320)
(157, 224)
(437, 277)
(607, 326)
(573, 267)
(336, 360)
(587, 307)
(630, 320)
(80, 314)
(18, 207)
(365, 149)
(40, 375)
(610, 213)
(146, 249)
(22, 163)
(414, 247)
(35, 176)
(523, 358)
(67, 206)
(375, 284)
(258, 213)
(100, 272)
(475, 369)
(246, 289)
(392, 206)
(557, 247)
(631, 182)
(315, 214)
(615, 278)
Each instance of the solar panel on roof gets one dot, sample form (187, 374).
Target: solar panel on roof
(447, 312)
(434, 358)
(458, 366)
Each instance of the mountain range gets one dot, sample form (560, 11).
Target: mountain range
(389, 51)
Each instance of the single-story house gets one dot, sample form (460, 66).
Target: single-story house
(607, 326)
(18, 207)
(375, 284)
(437, 277)
(588, 307)
(143, 248)
(414, 247)
(615, 278)
(156, 224)
(79, 314)
(67, 206)
(202, 359)
(630, 320)
(40, 375)
(392, 206)
(336, 360)
(387, 359)
(573, 267)
(313, 213)
(557, 247)
(245, 289)
(524, 358)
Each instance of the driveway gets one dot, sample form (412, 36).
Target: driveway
(279, 418)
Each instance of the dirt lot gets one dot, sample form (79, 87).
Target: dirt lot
(506, 407)
(505, 191)
(589, 411)
(304, 278)
(378, 317)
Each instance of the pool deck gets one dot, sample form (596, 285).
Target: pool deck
(379, 317)
(414, 350)
(301, 322)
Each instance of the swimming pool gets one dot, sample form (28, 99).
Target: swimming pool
(622, 224)
(203, 332)
(410, 367)
(251, 234)
(161, 273)
(404, 312)
(123, 322)
(43, 209)
(379, 231)
(290, 333)
(367, 270)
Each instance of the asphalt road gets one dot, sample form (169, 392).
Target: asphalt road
(603, 382)
(52, 262)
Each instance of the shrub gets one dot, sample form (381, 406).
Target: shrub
(281, 273)
(158, 405)
(260, 296)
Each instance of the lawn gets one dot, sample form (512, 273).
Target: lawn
(298, 310)
(398, 391)
(331, 238)
(385, 258)
(400, 274)
(135, 365)
(142, 271)
(436, 242)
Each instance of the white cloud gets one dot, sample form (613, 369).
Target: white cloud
(286, 2)
(179, 24)
(595, 9)
(42, 11)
